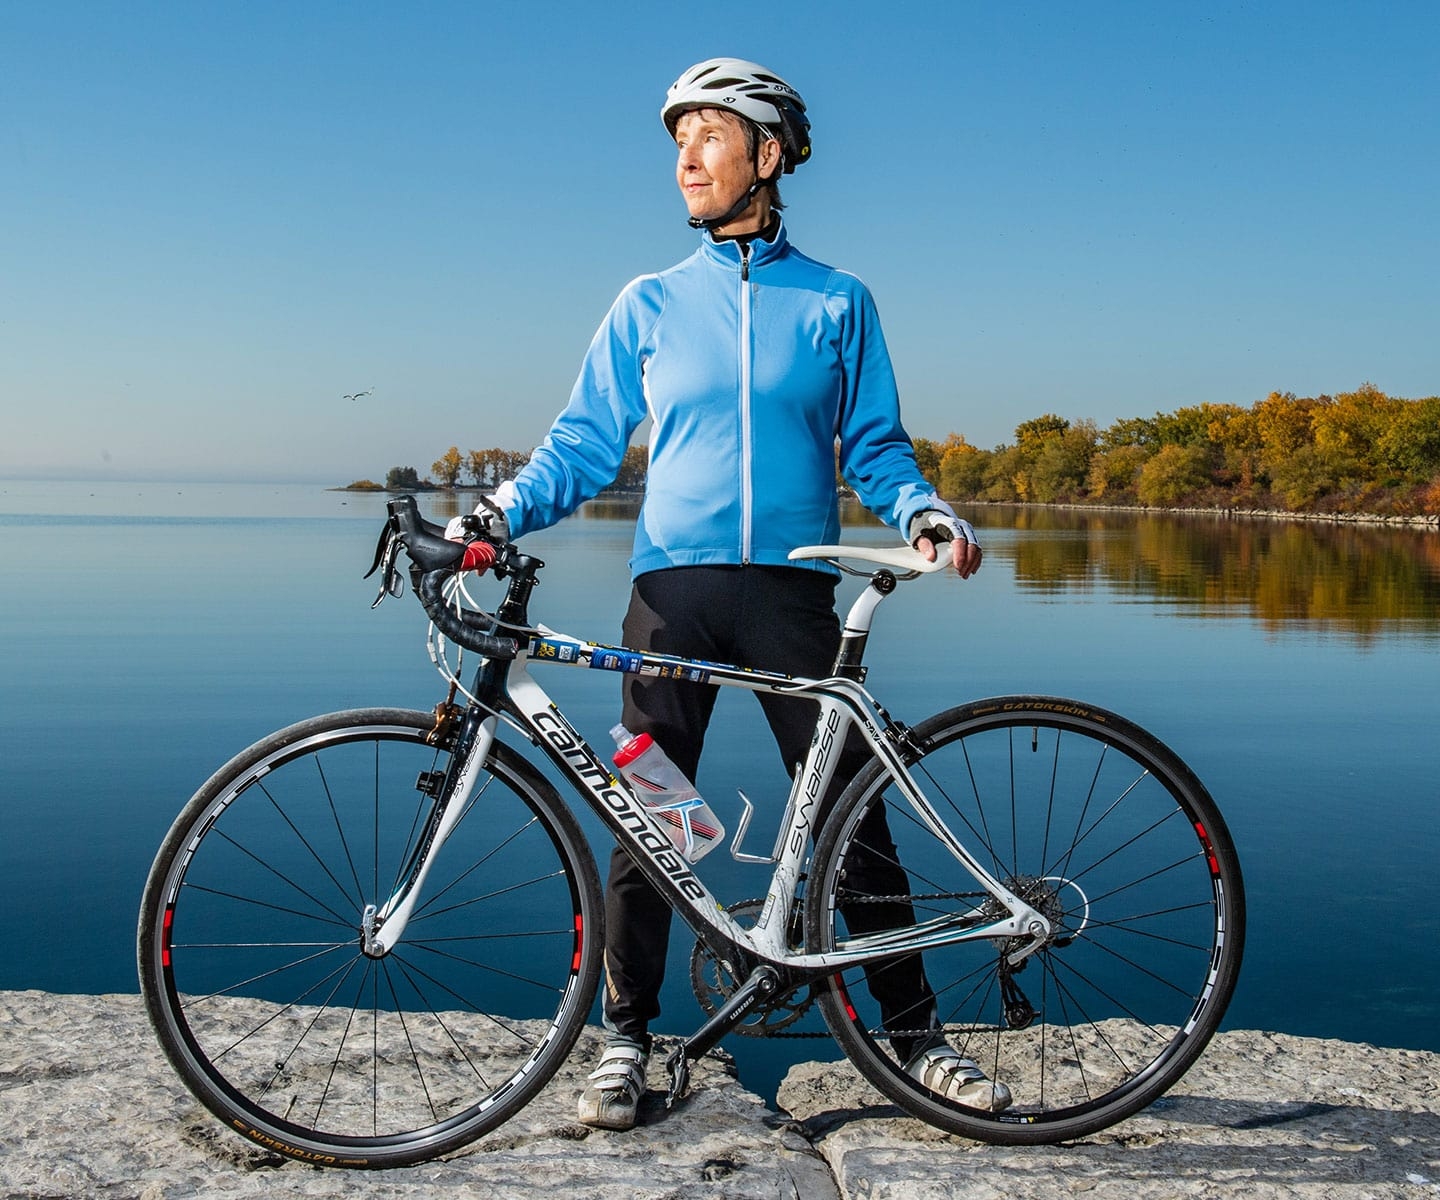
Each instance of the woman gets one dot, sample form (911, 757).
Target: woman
(754, 362)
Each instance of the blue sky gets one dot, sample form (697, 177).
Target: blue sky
(216, 220)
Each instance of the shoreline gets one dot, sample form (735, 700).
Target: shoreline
(1423, 521)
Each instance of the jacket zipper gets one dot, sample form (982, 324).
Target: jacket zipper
(746, 497)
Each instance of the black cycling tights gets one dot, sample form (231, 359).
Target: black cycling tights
(771, 618)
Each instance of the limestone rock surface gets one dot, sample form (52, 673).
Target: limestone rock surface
(1260, 1116)
(90, 1108)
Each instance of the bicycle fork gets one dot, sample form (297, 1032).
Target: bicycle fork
(383, 926)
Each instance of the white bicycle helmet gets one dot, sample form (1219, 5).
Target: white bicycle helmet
(747, 88)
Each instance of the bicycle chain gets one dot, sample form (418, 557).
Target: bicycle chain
(908, 897)
(701, 958)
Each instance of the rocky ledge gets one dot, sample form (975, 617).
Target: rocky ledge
(89, 1108)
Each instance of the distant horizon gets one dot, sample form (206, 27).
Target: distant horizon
(61, 477)
(238, 476)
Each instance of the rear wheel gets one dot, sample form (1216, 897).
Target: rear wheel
(252, 965)
(1098, 826)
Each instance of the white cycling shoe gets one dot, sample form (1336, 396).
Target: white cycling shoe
(952, 1077)
(616, 1086)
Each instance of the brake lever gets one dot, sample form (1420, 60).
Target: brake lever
(391, 581)
(387, 533)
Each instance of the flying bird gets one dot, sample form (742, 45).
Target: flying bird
(357, 395)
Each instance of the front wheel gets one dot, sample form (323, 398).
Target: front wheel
(253, 968)
(1111, 838)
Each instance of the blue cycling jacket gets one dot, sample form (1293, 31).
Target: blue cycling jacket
(752, 362)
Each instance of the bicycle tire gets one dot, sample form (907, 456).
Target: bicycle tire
(1106, 831)
(250, 953)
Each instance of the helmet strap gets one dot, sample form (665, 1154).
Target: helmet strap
(730, 214)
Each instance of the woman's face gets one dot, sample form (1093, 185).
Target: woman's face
(714, 168)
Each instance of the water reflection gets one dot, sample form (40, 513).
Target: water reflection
(1355, 581)
(1352, 580)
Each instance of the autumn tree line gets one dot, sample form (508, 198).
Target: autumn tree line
(1360, 451)
(489, 469)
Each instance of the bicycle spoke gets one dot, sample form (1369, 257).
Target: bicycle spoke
(518, 886)
(326, 917)
(243, 986)
(264, 865)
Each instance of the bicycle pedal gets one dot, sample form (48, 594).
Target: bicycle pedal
(677, 1066)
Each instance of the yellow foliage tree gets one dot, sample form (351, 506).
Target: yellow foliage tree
(448, 466)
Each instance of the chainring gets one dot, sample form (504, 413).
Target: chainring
(713, 983)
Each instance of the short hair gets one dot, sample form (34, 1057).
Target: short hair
(756, 135)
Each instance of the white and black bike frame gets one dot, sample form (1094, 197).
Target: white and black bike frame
(505, 690)
(844, 705)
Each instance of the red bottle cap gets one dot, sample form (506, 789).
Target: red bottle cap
(633, 749)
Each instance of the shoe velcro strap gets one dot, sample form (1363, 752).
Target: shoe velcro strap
(620, 1067)
(949, 1067)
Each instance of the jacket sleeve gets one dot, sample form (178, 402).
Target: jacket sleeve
(876, 455)
(582, 453)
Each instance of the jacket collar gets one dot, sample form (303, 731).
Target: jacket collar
(727, 252)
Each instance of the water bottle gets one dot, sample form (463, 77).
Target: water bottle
(670, 797)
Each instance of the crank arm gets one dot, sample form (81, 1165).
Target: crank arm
(763, 982)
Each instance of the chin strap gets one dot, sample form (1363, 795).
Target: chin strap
(734, 211)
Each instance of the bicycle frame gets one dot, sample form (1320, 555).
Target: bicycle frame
(508, 688)
(477, 963)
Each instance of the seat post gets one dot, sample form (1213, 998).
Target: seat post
(856, 631)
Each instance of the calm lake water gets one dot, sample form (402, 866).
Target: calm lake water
(149, 631)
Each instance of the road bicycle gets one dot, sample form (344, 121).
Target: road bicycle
(373, 936)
